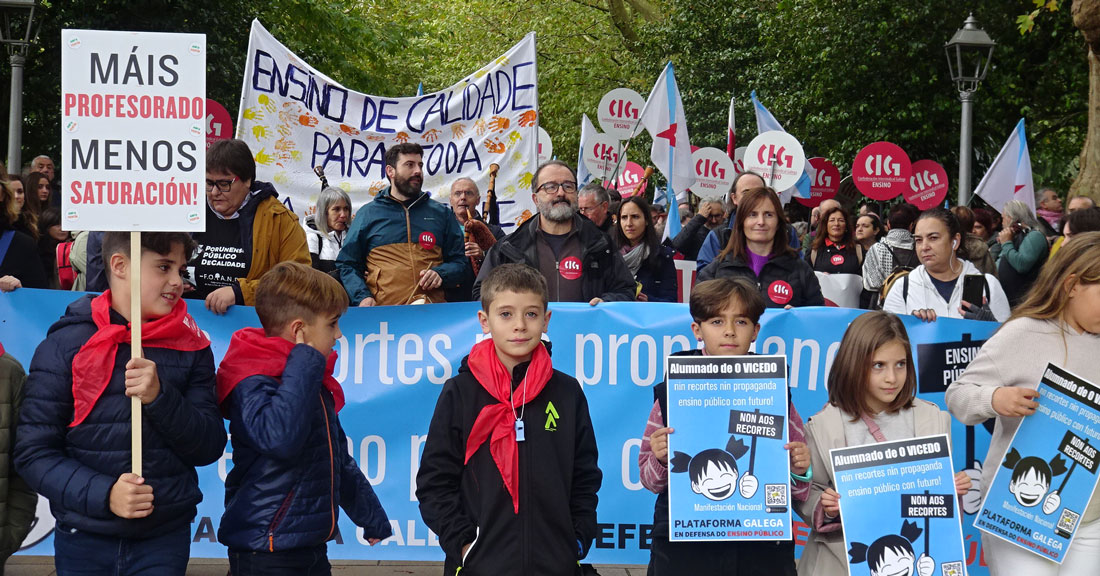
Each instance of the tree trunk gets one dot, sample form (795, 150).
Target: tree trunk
(1086, 17)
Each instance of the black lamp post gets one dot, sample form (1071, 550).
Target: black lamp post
(969, 53)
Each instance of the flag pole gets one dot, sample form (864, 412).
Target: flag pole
(633, 134)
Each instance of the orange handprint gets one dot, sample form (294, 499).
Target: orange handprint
(528, 118)
(401, 137)
(495, 146)
(432, 135)
(499, 123)
(348, 130)
(307, 120)
(480, 127)
(458, 130)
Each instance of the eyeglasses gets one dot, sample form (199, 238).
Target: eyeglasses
(221, 185)
(551, 187)
(589, 209)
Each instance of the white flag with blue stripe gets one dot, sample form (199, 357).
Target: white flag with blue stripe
(766, 122)
(1009, 177)
(663, 116)
(587, 130)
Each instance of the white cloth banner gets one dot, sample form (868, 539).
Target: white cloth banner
(295, 118)
(840, 289)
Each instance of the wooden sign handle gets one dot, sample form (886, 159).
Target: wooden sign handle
(135, 348)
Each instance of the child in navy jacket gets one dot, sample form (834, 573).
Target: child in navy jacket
(291, 466)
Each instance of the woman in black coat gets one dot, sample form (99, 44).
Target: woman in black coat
(649, 261)
(19, 262)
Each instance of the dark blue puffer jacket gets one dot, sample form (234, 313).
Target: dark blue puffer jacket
(75, 468)
(291, 466)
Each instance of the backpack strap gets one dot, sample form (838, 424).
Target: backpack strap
(905, 290)
(813, 257)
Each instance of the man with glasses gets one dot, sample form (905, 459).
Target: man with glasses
(248, 230)
(594, 203)
(403, 247)
(576, 258)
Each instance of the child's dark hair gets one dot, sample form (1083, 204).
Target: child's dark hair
(1045, 470)
(155, 242)
(848, 379)
(875, 554)
(292, 290)
(513, 278)
(709, 298)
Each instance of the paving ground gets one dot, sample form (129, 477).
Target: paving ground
(43, 566)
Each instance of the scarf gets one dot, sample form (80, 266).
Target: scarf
(252, 353)
(1052, 218)
(95, 361)
(634, 257)
(498, 420)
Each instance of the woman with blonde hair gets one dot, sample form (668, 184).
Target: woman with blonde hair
(1058, 322)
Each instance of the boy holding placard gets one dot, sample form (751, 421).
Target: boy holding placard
(726, 318)
(73, 440)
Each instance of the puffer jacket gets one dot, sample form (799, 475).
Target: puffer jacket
(291, 466)
(17, 500)
(785, 279)
(75, 468)
(392, 241)
(323, 248)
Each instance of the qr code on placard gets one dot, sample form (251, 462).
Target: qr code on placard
(775, 494)
(1068, 521)
(952, 568)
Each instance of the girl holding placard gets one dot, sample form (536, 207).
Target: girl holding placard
(872, 388)
(1058, 322)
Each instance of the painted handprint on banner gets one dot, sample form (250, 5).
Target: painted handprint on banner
(457, 130)
(375, 137)
(517, 157)
(528, 118)
(525, 179)
(525, 216)
(375, 188)
(296, 155)
(510, 191)
(262, 157)
(307, 120)
(502, 61)
(495, 146)
(432, 135)
(281, 178)
(266, 102)
(480, 126)
(348, 130)
(253, 114)
(401, 137)
(499, 123)
(514, 137)
(259, 132)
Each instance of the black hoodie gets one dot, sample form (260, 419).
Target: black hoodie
(558, 480)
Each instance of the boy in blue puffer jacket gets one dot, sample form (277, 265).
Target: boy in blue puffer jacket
(73, 439)
(291, 466)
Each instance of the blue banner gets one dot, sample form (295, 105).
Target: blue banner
(898, 508)
(1046, 479)
(729, 475)
(394, 360)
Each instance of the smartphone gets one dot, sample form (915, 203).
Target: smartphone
(974, 289)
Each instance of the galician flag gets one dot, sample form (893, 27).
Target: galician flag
(766, 122)
(663, 116)
(587, 131)
(731, 134)
(1009, 177)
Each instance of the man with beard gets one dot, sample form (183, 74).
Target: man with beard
(576, 258)
(402, 248)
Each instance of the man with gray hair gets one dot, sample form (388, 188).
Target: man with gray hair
(595, 204)
(711, 216)
(576, 258)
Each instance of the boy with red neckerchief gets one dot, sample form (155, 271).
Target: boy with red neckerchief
(73, 439)
(291, 467)
(509, 475)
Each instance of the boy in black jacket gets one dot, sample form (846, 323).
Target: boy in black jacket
(509, 475)
(73, 439)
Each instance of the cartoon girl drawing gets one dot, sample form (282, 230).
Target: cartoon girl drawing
(1031, 478)
(714, 471)
(892, 555)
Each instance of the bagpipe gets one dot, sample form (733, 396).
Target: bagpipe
(477, 231)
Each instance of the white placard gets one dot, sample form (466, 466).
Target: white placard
(546, 146)
(714, 173)
(133, 131)
(777, 157)
(618, 114)
(739, 159)
(601, 154)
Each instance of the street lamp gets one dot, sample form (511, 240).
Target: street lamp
(969, 53)
(17, 33)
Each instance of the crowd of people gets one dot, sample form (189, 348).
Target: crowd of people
(1036, 272)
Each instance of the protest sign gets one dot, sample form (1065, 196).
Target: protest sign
(729, 475)
(294, 118)
(618, 113)
(825, 182)
(714, 173)
(133, 127)
(1047, 477)
(898, 508)
(630, 175)
(881, 171)
(546, 146)
(927, 185)
(778, 158)
(219, 124)
(601, 155)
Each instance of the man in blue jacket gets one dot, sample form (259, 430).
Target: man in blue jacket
(402, 248)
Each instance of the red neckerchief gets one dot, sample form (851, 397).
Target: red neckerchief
(831, 243)
(252, 353)
(1, 349)
(498, 420)
(94, 362)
